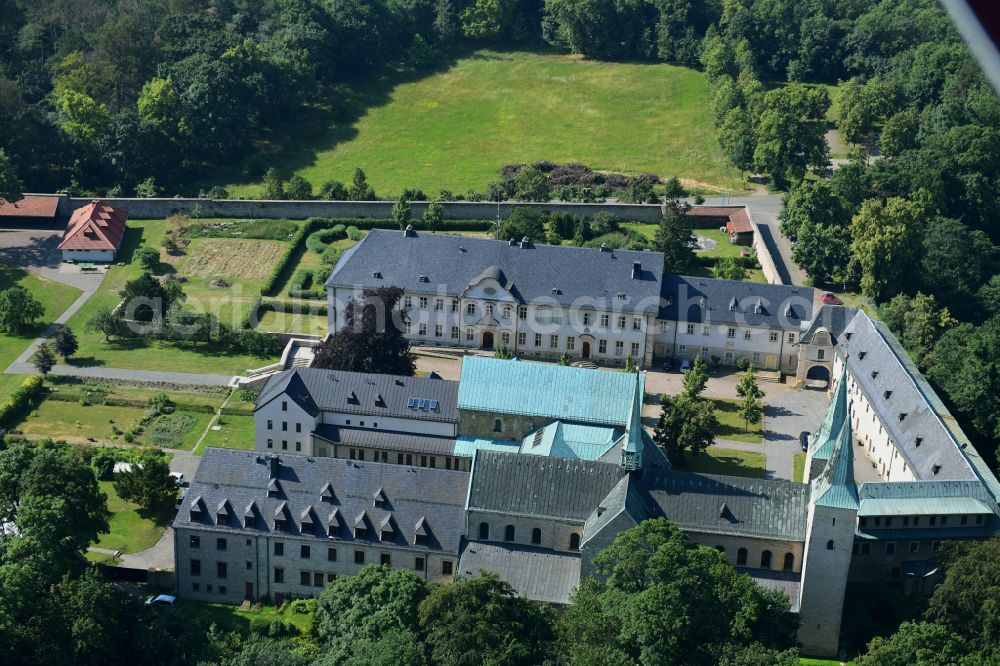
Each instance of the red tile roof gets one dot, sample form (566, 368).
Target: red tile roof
(714, 211)
(739, 223)
(96, 226)
(30, 206)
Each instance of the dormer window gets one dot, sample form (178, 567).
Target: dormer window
(621, 296)
(902, 415)
(919, 441)
(732, 305)
(887, 394)
(423, 278)
(861, 355)
(377, 275)
(936, 468)
(379, 497)
(874, 374)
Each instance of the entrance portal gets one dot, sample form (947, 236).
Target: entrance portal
(487, 340)
(586, 349)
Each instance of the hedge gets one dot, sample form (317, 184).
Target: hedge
(293, 251)
(279, 305)
(73, 396)
(318, 240)
(21, 400)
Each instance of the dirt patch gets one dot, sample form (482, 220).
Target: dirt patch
(705, 243)
(235, 258)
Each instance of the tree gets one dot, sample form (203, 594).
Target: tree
(108, 322)
(145, 299)
(401, 214)
(148, 483)
(886, 243)
(502, 353)
(696, 379)
(565, 358)
(918, 322)
(729, 268)
(917, 644)
(686, 426)
(965, 364)
(147, 189)
(751, 411)
(694, 606)
(523, 223)
(372, 339)
(359, 189)
(675, 239)
(955, 262)
(965, 600)
(274, 188)
(147, 257)
(899, 133)
(365, 606)
(43, 359)
(812, 202)
(66, 344)
(791, 134)
(483, 620)
(485, 19)
(736, 138)
(630, 365)
(824, 252)
(433, 216)
(18, 310)
(530, 184)
(10, 184)
(333, 190)
(445, 23)
(299, 189)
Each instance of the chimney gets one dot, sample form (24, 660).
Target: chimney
(636, 270)
(409, 232)
(273, 466)
(605, 248)
(512, 242)
(525, 242)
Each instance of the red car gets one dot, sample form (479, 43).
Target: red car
(830, 299)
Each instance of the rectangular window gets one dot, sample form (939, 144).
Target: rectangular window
(270, 424)
(791, 337)
(298, 427)
(756, 357)
(604, 321)
(284, 406)
(522, 312)
(570, 343)
(331, 554)
(602, 346)
(522, 339)
(279, 548)
(621, 322)
(407, 327)
(746, 334)
(359, 557)
(619, 347)
(636, 323)
(438, 304)
(438, 331)
(418, 564)
(454, 305)
(489, 309)
(772, 336)
(304, 578)
(407, 302)
(704, 352)
(384, 559)
(318, 580)
(538, 339)
(221, 570)
(270, 443)
(220, 543)
(284, 426)
(330, 577)
(634, 350)
(553, 342)
(195, 541)
(820, 354)
(304, 552)
(422, 303)
(914, 547)
(706, 329)
(505, 338)
(470, 309)
(422, 330)
(690, 329)
(279, 575)
(731, 332)
(195, 567)
(454, 332)
(588, 317)
(682, 349)
(447, 567)
(470, 334)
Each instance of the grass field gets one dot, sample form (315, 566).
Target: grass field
(132, 530)
(230, 618)
(230, 305)
(717, 460)
(235, 432)
(731, 426)
(454, 129)
(723, 249)
(284, 322)
(74, 422)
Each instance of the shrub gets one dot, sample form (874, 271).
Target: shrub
(354, 233)
(24, 398)
(302, 279)
(319, 240)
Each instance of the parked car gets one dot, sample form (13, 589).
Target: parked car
(162, 600)
(178, 478)
(180, 499)
(685, 366)
(668, 365)
(804, 440)
(830, 299)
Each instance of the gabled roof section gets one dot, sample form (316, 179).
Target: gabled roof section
(288, 383)
(543, 389)
(450, 263)
(831, 318)
(570, 440)
(96, 226)
(823, 442)
(835, 486)
(709, 301)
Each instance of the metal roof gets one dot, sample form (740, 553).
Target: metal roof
(386, 439)
(543, 389)
(364, 394)
(570, 440)
(412, 493)
(557, 274)
(711, 301)
(922, 506)
(540, 575)
(541, 487)
(787, 582)
(835, 485)
(824, 441)
(467, 446)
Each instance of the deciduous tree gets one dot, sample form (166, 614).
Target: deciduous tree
(686, 426)
(886, 243)
(66, 344)
(19, 310)
(43, 359)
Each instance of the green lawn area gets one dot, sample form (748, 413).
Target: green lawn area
(132, 530)
(284, 322)
(74, 422)
(236, 432)
(230, 618)
(207, 259)
(454, 129)
(731, 426)
(54, 296)
(707, 257)
(798, 467)
(731, 462)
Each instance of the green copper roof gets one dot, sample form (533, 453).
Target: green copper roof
(570, 440)
(467, 446)
(634, 444)
(823, 441)
(835, 486)
(543, 389)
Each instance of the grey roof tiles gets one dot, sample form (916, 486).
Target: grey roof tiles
(711, 301)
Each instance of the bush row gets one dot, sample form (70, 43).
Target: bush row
(318, 240)
(293, 251)
(63, 395)
(21, 400)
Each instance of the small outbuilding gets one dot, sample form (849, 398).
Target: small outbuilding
(94, 233)
(30, 211)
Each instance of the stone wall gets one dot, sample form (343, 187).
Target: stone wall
(767, 264)
(480, 424)
(141, 209)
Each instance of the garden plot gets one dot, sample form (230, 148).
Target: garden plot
(230, 258)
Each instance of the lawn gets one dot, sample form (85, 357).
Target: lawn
(74, 422)
(453, 129)
(179, 430)
(229, 617)
(798, 467)
(235, 432)
(54, 296)
(731, 426)
(229, 304)
(284, 322)
(722, 249)
(730, 462)
(132, 529)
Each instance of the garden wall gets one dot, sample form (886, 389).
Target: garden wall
(146, 209)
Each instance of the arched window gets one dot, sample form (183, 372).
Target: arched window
(829, 544)
(789, 562)
(741, 557)
(508, 533)
(765, 560)
(497, 425)
(484, 531)
(536, 535)
(574, 541)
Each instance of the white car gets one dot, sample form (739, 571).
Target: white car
(685, 366)
(162, 600)
(178, 478)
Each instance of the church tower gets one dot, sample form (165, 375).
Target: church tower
(830, 525)
(632, 446)
(821, 444)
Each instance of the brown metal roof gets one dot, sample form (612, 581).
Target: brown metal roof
(30, 206)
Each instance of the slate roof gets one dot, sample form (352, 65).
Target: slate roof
(715, 504)
(96, 226)
(711, 301)
(30, 206)
(877, 363)
(541, 487)
(540, 575)
(926, 497)
(412, 493)
(833, 318)
(364, 394)
(556, 274)
(386, 439)
(544, 389)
